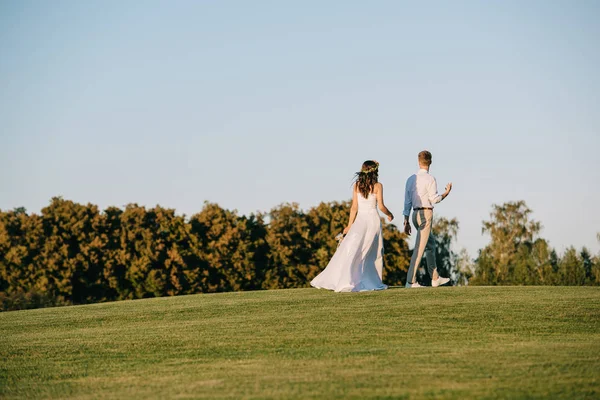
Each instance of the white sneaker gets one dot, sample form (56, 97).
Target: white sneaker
(412, 285)
(439, 282)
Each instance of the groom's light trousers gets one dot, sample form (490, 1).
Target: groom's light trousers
(425, 243)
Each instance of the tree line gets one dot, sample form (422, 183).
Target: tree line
(72, 253)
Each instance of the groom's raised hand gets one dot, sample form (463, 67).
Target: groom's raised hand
(447, 192)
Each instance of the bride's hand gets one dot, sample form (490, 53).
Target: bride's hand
(346, 229)
(390, 217)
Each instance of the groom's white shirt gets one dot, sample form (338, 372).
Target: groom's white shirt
(421, 191)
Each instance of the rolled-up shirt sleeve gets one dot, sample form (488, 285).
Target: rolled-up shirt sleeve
(434, 197)
(407, 199)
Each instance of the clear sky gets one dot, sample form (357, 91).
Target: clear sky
(253, 103)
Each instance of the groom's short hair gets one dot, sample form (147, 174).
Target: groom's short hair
(425, 158)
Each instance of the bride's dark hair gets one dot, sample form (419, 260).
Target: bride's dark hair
(367, 177)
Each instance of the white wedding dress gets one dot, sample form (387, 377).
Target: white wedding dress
(357, 264)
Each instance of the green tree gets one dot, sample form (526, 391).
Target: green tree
(21, 239)
(114, 258)
(515, 254)
(572, 271)
(233, 247)
(588, 265)
(465, 268)
(532, 264)
(290, 248)
(71, 257)
(595, 279)
(161, 254)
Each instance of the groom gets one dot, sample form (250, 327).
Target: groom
(420, 195)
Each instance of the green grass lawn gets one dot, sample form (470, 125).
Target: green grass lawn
(468, 342)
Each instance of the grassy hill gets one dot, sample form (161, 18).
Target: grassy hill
(468, 342)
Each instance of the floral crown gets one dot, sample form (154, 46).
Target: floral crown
(372, 169)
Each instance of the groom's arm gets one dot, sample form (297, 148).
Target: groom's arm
(407, 206)
(434, 197)
(407, 200)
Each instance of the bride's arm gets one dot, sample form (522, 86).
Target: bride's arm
(382, 206)
(353, 210)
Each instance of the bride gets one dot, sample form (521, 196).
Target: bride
(357, 264)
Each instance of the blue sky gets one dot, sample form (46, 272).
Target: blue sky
(254, 103)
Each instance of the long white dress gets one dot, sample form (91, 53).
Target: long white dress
(357, 264)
